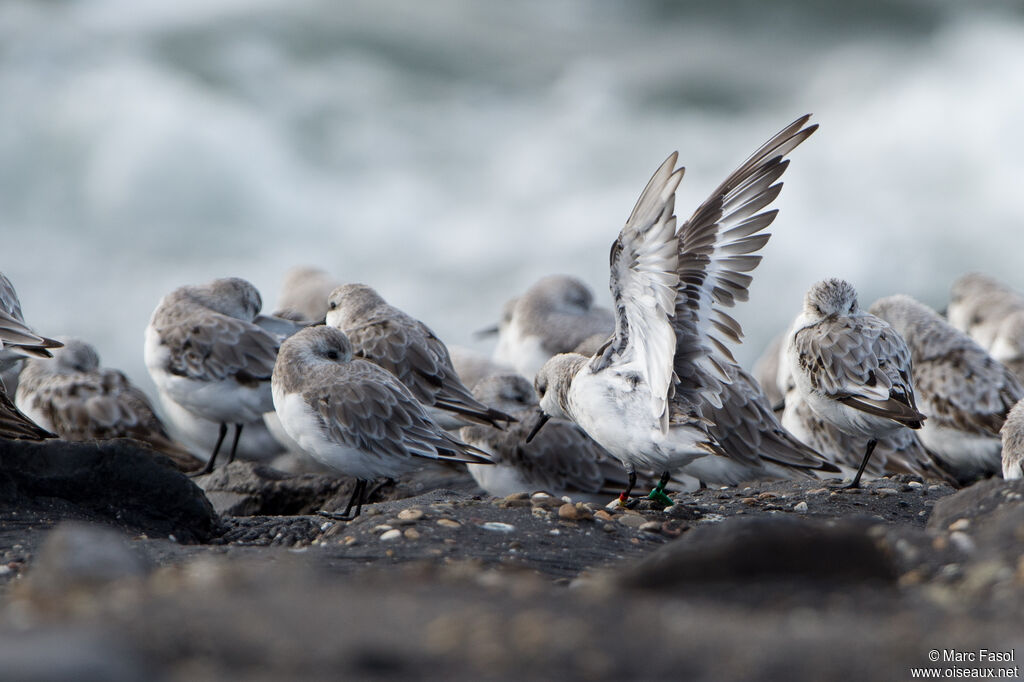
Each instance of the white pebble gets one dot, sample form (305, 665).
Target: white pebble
(800, 507)
(390, 535)
(499, 527)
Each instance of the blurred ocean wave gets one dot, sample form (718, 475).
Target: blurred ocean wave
(449, 153)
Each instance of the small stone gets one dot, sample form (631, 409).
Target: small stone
(411, 534)
(915, 484)
(516, 496)
(513, 504)
(349, 540)
(390, 535)
(800, 507)
(940, 543)
(818, 491)
(749, 501)
(608, 528)
(449, 523)
(632, 520)
(540, 495)
(767, 495)
(498, 527)
(574, 512)
(381, 528)
(960, 525)
(554, 531)
(962, 541)
(651, 527)
(885, 492)
(603, 515)
(410, 514)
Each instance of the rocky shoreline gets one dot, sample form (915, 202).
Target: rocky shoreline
(115, 566)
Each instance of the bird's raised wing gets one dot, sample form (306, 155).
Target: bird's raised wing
(643, 283)
(716, 251)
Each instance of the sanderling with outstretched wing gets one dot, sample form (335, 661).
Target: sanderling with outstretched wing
(408, 349)
(353, 415)
(641, 396)
(205, 354)
(852, 368)
(78, 400)
(17, 339)
(553, 316)
(963, 391)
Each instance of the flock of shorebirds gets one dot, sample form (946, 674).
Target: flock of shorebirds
(577, 399)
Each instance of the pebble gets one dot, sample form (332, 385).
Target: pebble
(516, 496)
(449, 523)
(390, 535)
(603, 515)
(574, 512)
(632, 520)
(749, 501)
(768, 495)
(800, 507)
(410, 514)
(915, 484)
(349, 540)
(885, 492)
(960, 525)
(962, 541)
(651, 527)
(411, 534)
(499, 527)
(381, 528)
(818, 491)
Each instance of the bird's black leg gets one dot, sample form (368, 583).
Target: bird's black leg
(624, 497)
(855, 483)
(234, 445)
(356, 500)
(216, 448)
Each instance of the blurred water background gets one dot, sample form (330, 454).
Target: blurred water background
(449, 153)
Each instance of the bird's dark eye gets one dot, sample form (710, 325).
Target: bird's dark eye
(332, 305)
(332, 355)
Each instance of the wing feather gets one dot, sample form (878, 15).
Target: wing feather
(714, 256)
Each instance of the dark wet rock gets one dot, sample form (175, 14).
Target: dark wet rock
(117, 482)
(753, 551)
(976, 502)
(244, 488)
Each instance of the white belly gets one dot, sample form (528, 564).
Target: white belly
(304, 427)
(617, 414)
(968, 454)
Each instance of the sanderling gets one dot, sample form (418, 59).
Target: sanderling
(304, 294)
(353, 415)
(962, 390)
(978, 304)
(17, 339)
(1008, 344)
(73, 397)
(561, 460)
(1012, 435)
(899, 453)
(205, 353)
(408, 349)
(553, 316)
(641, 396)
(852, 368)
